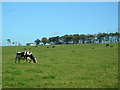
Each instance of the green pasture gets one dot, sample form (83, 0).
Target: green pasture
(68, 66)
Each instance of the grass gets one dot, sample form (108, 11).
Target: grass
(68, 66)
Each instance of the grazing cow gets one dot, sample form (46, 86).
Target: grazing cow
(53, 46)
(47, 47)
(92, 47)
(25, 55)
(24, 48)
(107, 44)
(29, 48)
(111, 46)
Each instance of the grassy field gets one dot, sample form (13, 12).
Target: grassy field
(71, 66)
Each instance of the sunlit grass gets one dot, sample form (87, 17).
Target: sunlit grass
(68, 66)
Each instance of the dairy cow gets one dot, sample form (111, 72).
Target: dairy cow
(25, 55)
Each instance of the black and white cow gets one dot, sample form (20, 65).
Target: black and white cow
(53, 46)
(107, 44)
(25, 55)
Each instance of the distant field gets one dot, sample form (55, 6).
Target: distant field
(71, 66)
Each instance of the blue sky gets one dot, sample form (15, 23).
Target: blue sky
(26, 21)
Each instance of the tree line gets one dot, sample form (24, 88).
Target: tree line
(14, 43)
(76, 39)
(82, 38)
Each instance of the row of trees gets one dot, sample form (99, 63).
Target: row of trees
(14, 43)
(82, 38)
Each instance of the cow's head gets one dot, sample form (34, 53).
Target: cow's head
(34, 60)
(32, 57)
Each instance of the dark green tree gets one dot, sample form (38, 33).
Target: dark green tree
(99, 37)
(44, 40)
(107, 37)
(9, 42)
(67, 38)
(83, 37)
(111, 35)
(37, 41)
(57, 39)
(75, 38)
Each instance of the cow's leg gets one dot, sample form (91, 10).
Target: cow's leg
(16, 59)
(19, 61)
(30, 61)
(26, 60)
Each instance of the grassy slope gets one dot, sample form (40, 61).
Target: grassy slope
(71, 66)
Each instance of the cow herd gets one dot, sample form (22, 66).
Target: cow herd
(108, 45)
(29, 56)
(52, 47)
